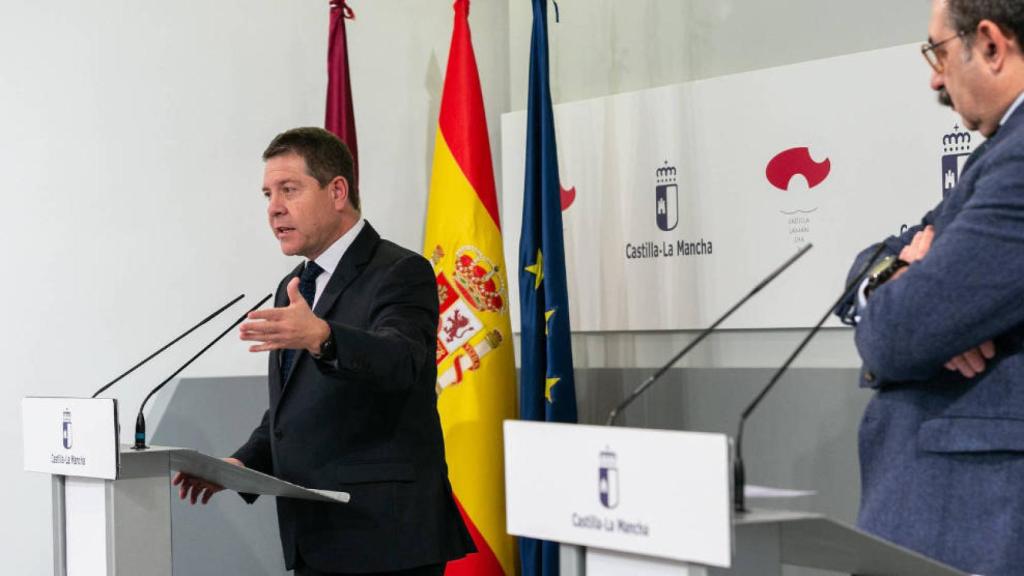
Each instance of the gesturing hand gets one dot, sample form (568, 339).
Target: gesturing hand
(294, 326)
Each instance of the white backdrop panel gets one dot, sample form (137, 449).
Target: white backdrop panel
(874, 139)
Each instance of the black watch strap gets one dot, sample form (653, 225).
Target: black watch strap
(328, 349)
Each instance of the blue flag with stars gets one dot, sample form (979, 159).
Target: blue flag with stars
(547, 390)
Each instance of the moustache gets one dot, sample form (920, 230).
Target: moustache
(944, 99)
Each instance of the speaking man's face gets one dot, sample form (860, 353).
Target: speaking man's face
(303, 215)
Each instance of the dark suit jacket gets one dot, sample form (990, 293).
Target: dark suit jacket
(942, 456)
(367, 425)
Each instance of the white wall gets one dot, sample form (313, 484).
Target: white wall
(131, 138)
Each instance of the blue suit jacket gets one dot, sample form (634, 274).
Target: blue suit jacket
(942, 456)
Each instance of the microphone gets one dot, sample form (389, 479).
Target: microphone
(661, 371)
(140, 420)
(168, 345)
(738, 471)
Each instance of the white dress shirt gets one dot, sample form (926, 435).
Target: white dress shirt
(331, 257)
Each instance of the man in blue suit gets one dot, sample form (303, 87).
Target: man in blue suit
(940, 322)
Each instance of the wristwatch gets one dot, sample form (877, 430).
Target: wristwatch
(882, 272)
(328, 349)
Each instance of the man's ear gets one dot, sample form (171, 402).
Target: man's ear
(339, 191)
(992, 43)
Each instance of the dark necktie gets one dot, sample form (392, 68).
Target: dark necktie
(307, 287)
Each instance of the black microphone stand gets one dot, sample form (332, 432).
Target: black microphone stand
(738, 471)
(140, 420)
(661, 371)
(169, 344)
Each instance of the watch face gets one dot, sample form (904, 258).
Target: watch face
(881, 266)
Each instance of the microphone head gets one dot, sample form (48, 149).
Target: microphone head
(140, 433)
(739, 484)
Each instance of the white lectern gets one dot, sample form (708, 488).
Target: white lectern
(656, 502)
(112, 504)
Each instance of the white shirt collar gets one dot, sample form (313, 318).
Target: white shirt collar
(1009, 111)
(332, 256)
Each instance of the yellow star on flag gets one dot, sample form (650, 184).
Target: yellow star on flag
(537, 269)
(548, 385)
(547, 320)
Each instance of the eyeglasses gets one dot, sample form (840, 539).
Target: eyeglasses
(928, 50)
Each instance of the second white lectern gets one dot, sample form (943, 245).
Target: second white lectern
(658, 503)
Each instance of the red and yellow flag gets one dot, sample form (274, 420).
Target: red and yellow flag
(475, 365)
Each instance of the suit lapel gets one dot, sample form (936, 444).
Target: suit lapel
(1012, 124)
(351, 265)
(965, 187)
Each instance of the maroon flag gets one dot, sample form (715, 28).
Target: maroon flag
(340, 117)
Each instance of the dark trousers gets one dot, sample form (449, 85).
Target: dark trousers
(432, 570)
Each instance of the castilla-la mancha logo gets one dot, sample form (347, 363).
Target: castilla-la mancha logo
(956, 147)
(67, 440)
(666, 197)
(608, 479)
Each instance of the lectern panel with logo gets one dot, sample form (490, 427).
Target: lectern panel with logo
(71, 436)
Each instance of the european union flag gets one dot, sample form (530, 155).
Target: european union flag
(546, 385)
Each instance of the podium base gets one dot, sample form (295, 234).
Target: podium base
(577, 561)
(118, 526)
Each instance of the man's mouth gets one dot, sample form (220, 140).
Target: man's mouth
(280, 231)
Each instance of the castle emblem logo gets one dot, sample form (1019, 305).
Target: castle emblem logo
(666, 198)
(66, 438)
(608, 479)
(473, 286)
(956, 147)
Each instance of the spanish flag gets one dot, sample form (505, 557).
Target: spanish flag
(476, 376)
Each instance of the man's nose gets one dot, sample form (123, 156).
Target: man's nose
(275, 207)
(937, 82)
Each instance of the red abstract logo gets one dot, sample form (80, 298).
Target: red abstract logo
(567, 197)
(789, 163)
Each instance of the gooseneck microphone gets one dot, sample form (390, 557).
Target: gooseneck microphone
(661, 371)
(140, 420)
(738, 471)
(169, 344)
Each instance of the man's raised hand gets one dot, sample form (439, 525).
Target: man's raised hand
(292, 327)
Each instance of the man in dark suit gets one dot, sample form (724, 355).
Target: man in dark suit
(940, 323)
(352, 377)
